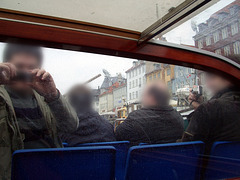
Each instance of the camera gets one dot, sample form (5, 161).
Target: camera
(23, 76)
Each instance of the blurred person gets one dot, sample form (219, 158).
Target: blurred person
(32, 110)
(92, 127)
(217, 119)
(157, 122)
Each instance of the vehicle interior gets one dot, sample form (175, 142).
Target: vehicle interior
(118, 48)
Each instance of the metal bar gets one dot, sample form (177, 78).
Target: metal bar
(185, 10)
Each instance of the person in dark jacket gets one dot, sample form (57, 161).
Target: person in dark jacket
(92, 127)
(217, 119)
(157, 122)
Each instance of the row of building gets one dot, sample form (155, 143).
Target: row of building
(219, 34)
(117, 91)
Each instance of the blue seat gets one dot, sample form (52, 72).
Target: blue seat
(224, 161)
(87, 163)
(121, 155)
(65, 144)
(164, 161)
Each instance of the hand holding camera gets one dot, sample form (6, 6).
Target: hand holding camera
(44, 84)
(7, 72)
(195, 97)
(38, 79)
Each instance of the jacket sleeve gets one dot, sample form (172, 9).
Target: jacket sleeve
(66, 117)
(199, 126)
(126, 131)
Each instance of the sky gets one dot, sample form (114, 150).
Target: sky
(70, 67)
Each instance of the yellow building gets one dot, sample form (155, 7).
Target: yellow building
(154, 75)
(164, 72)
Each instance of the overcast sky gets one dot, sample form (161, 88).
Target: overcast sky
(70, 67)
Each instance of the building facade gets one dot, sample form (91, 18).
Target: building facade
(120, 95)
(221, 32)
(183, 77)
(96, 93)
(156, 74)
(136, 80)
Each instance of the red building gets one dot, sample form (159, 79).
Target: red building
(221, 32)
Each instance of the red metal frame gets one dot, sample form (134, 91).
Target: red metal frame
(103, 44)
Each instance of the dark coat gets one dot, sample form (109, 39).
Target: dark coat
(216, 120)
(151, 125)
(92, 128)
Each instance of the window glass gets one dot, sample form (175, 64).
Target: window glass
(225, 32)
(215, 29)
(103, 91)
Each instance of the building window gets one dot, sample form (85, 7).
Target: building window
(168, 72)
(225, 33)
(136, 94)
(130, 85)
(176, 74)
(136, 73)
(181, 72)
(140, 70)
(133, 85)
(200, 44)
(218, 51)
(150, 78)
(133, 95)
(154, 76)
(216, 37)
(159, 75)
(226, 50)
(234, 28)
(236, 47)
(140, 82)
(182, 84)
(208, 40)
(169, 85)
(136, 82)
(130, 96)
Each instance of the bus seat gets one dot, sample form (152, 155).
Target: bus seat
(88, 163)
(142, 144)
(65, 144)
(121, 155)
(164, 161)
(224, 161)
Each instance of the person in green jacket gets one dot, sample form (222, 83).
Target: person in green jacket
(32, 110)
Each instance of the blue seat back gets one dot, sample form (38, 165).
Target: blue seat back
(164, 161)
(121, 155)
(89, 163)
(224, 161)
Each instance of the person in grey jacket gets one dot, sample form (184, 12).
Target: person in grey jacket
(157, 122)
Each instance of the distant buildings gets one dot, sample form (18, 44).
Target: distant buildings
(163, 72)
(106, 100)
(183, 77)
(221, 32)
(96, 93)
(120, 95)
(111, 93)
(135, 82)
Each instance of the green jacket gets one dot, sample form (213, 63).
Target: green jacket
(59, 116)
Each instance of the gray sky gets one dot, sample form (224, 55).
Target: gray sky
(70, 67)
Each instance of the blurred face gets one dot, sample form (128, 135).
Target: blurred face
(216, 83)
(147, 99)
(24, 63)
